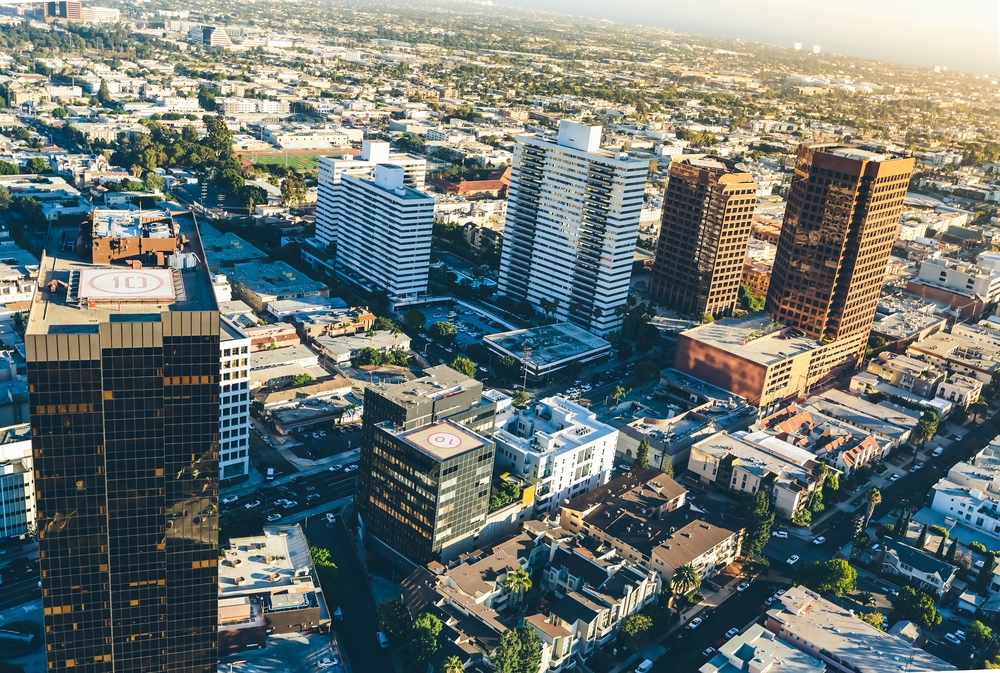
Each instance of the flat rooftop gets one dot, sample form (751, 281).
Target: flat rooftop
(752, 458)
(906, 324)
(227, 249)
(276, 562)
(444, 440)
(95, 294)
(275, 279)
(550, 344)
(436, 383)
(755, 337)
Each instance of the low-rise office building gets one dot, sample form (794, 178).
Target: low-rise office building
(542, 351)
(959, 355)
(259, 284)
(343, 349)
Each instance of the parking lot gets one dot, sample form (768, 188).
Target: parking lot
(470, 325)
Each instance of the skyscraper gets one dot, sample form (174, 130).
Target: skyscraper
(122, 346)
(840, 223)
(333, 168)
(707, 214)
(385, 230)
(572, 223)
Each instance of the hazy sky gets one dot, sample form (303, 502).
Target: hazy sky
(960, 34)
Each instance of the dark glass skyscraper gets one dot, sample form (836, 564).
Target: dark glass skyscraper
(123, 365)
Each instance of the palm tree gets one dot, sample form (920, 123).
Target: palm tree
(395, 331)
(686, 579)
(371, 334)
(866, 598)
(873, 497)
(517, 583)
(618, 394)
(452, 665)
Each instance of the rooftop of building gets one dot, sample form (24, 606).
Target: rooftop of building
(919, 559)
(75, 295)
(552, 424)
(345, 344)
(906, 324)
(275, 357)
(836, 631)
(757, 649)
(639, 491)
(549, 344)
(437, 383)
(308, 305)
(972, 353)
(442, 441)
(754, 337)
(958, 265)
(752, 457)
(894, 414)
(275, 279)
(224, 249)
(275, 562)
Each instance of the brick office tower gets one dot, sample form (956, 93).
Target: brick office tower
(123, 364)
(707, 215)
(840, 223)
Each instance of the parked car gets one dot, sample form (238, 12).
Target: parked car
(819, 540)
(645, 667)
(330, 517)
(938, 451)
(251, 505)
(779, 593)
(335, 468)
(960, 634)
(273, 517)
(894, 477)
(708, 651)
(289, 504)
(951, 638)
(768, 601)
(312, 496)
(783, 534)
(229, 499)
(743, 587)
(327, 662)
(694, 623)
(383, 640)
(732, 632)
(793, 559)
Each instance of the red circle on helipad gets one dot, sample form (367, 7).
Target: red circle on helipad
(444, 440)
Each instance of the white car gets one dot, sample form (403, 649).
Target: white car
(783, 534)
(793, 559)
(251, 505)
(335, 468)
(819, 540)
(779, 592)
(273, 517)
(894, 477)
(229, 499)
(694, 623)
(290, 503)
(350, 468)
(960, 634)
(327, 662)
(331, 518)
(743, 587)
(708, 651)
(951, 638)
(958, 438)
(732, 632)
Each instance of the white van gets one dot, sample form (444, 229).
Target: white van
(937, 452)
(383, 640)
(644, 667)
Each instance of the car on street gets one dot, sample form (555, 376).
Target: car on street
(251, 505)
(743, 587)
(768, 601)
(273, 517)
(958, 438)
(732, 632)
(779, 593)
(951, 638)
(335, 468)
(918, 465)
(694, 623)
(938, 451)
(312, 496)
(327, 662)
(960, 634)
(331, 517)
(793, 559)
(708, 651)
(230, 499)
(350, 468)
(783, 534)
(819, 540)
(289, 504)
(894, 477)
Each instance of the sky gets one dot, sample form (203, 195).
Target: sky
(958, 34)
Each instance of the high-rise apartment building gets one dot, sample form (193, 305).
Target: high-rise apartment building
(385, 231)
(122, 350)
(572, 224)
(234, 402)
(426, 465)
(708, 209)
(333, 168)
(63, 10)
(840, 223)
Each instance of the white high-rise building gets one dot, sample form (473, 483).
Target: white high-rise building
(385, 231)
(572, 223)
(234, 402)
(333, 167)
(17, 483)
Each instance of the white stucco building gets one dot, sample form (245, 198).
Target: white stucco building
(234, 403)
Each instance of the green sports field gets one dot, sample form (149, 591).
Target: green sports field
(307, 161)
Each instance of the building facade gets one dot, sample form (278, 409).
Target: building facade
(385, 231)
(840, 224)
(124, 371)
(333, 168)
(707, 213)
(234, 398)
(572, 224)
(17, 483)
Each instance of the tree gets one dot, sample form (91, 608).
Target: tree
(36, 165)
(636, 627)
(979, 408)
(917, 606)
(368, 357)
(452, 665)
(873, 497)
(872, 619)
(464, 365)
(926, 427)
(153, 182)
(749, 301)
(520, 399)
(218, 137)
(866, 598)
(293, 190)
(206, 98)
(666, 465)
(940, 549)
(642, 454)
(979, 633)
(986, 572)
(103, 94)
(59, 113)
(301, 379)
(444, 332)
(836, 576)
(952, 551)
(394, 618)
(618, 394)
(423, 641)
(414, 318)
(326, 570)
(759, 519)
(517, 583)
(252, 196)
(707, 317)
(7, 168)
(832, 482)
(6, 201)
(686, 579)
(520, 651)
(922, 540)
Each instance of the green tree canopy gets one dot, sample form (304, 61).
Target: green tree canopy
(520, 399)
(7, 168)
(394, 618)
(758, 522)
(444, 332)
(836, 576)
(37, 165)
(917, 606)
(293, 190)
(871, 618)
(464, 365)
(423, 643)
(414, 318)
(642, 454)
(520, 651)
